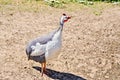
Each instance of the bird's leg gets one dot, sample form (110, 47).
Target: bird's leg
(42, 67)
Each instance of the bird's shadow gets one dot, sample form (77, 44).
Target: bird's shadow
(59, 75)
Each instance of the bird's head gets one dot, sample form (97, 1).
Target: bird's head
(64, 19)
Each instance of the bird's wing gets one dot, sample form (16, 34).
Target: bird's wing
(47, 38)
(42, 40)
(38, 49)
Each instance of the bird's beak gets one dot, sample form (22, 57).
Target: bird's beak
(69, 17)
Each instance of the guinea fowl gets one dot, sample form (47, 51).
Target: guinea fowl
(46, 47)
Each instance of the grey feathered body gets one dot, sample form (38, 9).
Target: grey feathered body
(43, 41)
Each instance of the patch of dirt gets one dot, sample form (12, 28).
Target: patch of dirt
(91, 45)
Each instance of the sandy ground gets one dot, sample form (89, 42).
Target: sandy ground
(91, 45)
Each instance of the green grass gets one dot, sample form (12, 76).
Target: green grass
(22, 5)
(36, 5)
(5, 2)
(98, 7)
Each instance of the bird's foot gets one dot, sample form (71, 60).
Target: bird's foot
(44, 72)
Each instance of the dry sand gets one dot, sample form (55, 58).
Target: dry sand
(90, 50)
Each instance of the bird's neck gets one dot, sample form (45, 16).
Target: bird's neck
(61, 26)
(58, 34)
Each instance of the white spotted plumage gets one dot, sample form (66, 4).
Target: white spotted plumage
(38, 49)
(50, 49)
